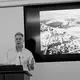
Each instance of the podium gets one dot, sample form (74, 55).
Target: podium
(13, 72)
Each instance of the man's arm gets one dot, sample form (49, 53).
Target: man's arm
(31, 64)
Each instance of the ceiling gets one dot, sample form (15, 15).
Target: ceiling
(6, 3)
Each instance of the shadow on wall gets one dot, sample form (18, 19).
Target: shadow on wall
(31, 45)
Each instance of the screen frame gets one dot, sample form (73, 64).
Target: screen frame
(32, 21)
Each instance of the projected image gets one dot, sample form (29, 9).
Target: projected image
(60, 32)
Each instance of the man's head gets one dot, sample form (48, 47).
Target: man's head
(19, 39)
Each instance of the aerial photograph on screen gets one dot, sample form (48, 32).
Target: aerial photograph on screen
(60, 31)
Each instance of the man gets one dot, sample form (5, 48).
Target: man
(19, 55)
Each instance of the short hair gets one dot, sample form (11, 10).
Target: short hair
(18, 33)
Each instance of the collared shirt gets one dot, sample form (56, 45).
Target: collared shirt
(19, 58)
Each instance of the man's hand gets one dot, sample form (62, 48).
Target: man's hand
(30, 65)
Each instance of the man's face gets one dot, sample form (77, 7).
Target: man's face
(19, 40)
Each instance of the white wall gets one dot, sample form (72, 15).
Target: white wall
(11, 21)
(57, 71)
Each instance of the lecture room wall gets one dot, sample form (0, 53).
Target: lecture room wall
(11, 21)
